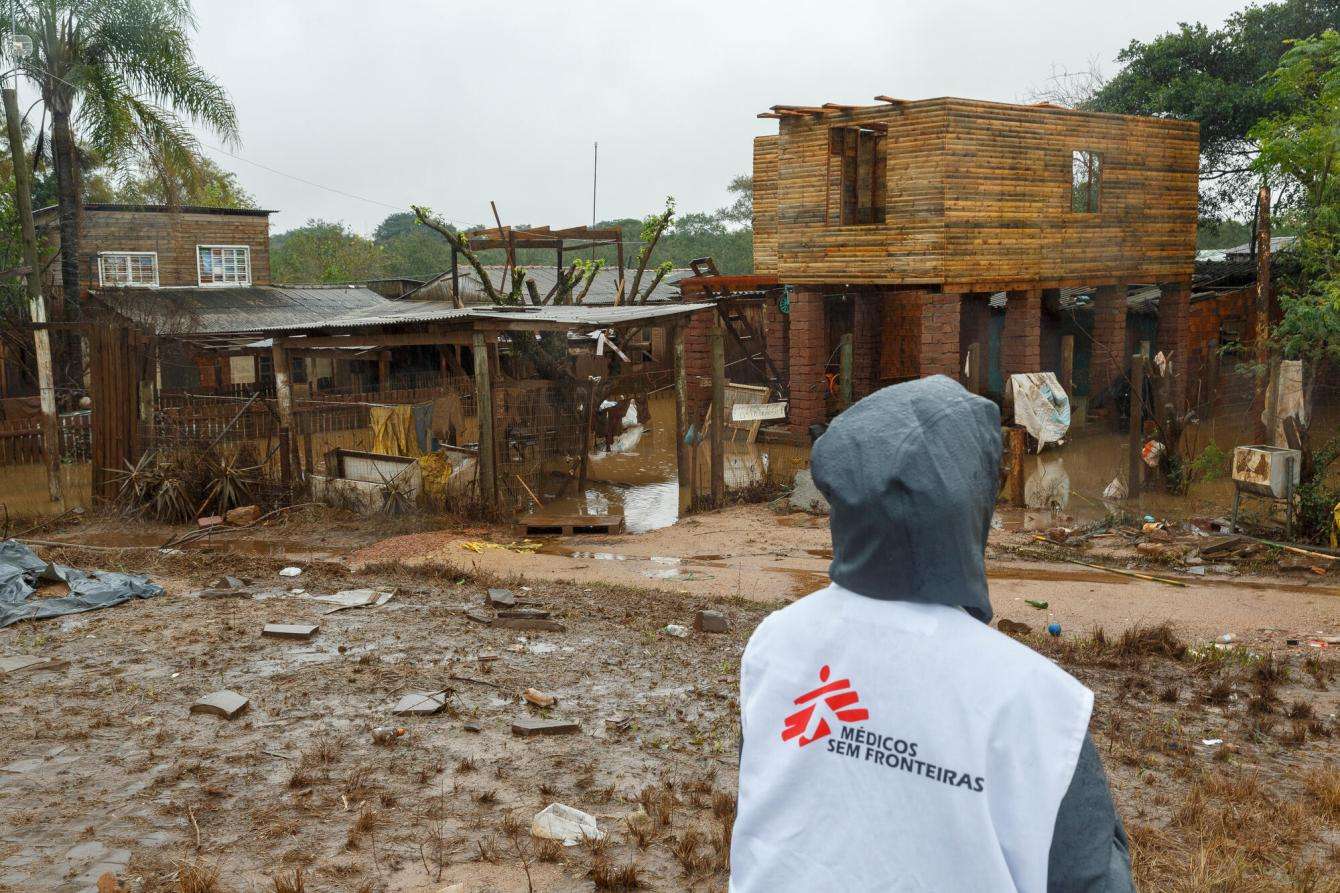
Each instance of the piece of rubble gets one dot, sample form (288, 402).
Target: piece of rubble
(302, 631)
(557, 821)
(526, 726)
(354, 598)
(209, 521)
(226, 582)
(290, 572)
(500, 598)
(472, 727)
(242, 515)
(423, 703)
(19, 662)
(539, 698)
(677, 630)
(552, 626)
(226, 704)
(618, 723)
(479, 616)
(386, 735)
(805, 496)
(1013, 627)
(711, 622)
(525, 614)
(486, 657)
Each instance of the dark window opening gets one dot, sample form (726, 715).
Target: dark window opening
(861, 158)
(1085, 175)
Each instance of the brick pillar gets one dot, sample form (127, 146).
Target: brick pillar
(1175, 336)
(866, 331)
(1107, 360)
(808, 355)
(698, 363)
(940, 317)
(1021, 341)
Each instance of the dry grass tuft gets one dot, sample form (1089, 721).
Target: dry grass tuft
(290, 883)
(1148, 641)
(1323, 785)
(606, 876)
(549, 851)
(685, 849)
(198, 878)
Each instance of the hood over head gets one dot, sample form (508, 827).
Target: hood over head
(912, 473)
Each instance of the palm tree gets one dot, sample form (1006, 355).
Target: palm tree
(120, 73)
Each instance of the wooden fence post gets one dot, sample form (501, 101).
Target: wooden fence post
(1015, 480)
(681, 420)
(718, 414)
(487, 473)
(1136, 439)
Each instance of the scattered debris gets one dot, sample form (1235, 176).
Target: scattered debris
(1116, 490)
(226, 704)
(560, 822)
(527, 726)
(20, 662)
(711, 622)
(500, 598)
(539, 698)
(618, 723)
(21, 570)
(525, 614)
(1034, 603)
(291, 572)
(354, 598)
(243, 516)
(422, 703)
(805, 495)
(472, 727)
(302, 631)
(386, 735)
(1013, 628)
(522, 546)
(677, 630)
(479, 617)
(209, 521)
(1054, 629)
(1212, 742)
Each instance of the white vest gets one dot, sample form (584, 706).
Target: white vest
(899, 746)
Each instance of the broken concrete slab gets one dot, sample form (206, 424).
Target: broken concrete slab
(223, 593)
(354, 598)
(300, 631)
(421, 703)
(711, 622)
(500, 598)
(19, 662)
(527, 726)
(525, 614)
(225, 703)
(472, 727)
(552, 626)
(227, 582)
(539, 698)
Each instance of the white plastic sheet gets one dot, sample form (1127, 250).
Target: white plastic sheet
(1041, 406)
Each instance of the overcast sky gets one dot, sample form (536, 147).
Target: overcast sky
(451, 104)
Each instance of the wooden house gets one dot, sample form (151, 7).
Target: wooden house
(895, 223)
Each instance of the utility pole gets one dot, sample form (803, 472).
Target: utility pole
(36, 306)
(1264, 433)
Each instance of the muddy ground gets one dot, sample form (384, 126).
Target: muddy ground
(103, 769)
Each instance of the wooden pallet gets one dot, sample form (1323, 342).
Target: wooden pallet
(539, 524)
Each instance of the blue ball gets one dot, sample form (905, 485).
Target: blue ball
(1054, 629)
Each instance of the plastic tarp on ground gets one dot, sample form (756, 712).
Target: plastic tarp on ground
(1041, 406)
(21, 570)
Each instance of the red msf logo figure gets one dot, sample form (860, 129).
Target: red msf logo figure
(836, 698)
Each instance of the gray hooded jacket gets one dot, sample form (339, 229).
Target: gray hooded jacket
(912, 473)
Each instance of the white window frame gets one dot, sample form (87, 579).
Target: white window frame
(102, 277)
(215, 283)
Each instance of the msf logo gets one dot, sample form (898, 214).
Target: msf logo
(832, 699)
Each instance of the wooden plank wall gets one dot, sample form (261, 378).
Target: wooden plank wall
(116, 363)
(765, 204)
(174, 235)
(978, 196)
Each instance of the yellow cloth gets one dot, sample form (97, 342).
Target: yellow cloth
(393, 430)
(1335, 525)
(436, 471)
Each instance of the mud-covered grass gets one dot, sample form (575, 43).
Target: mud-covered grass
(295, 793)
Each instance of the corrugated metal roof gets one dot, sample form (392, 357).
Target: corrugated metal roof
(603, 289)
(164, 209)
(255, 308)
(392, 313)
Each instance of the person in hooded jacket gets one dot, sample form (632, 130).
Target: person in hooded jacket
(892, 740)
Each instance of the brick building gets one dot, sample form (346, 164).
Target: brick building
(896, 223)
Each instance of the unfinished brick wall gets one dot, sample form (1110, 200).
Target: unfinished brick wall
(1109, 353)
(920, 335)
(1175, 335)
(807, 357)
(940, 315)
(1021, 341)
(865, 343)
(1211, 320)
(698, 363)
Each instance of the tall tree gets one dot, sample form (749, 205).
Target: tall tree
(122, 74)
(1217, 77)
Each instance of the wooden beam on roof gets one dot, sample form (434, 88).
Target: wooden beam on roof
(841, 107)
(890, 100)
(772, 115)
(798, 109)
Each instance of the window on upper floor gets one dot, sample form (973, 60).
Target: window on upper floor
(128, 268)
(1085, 177)
(860, 156)
(224, 264)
